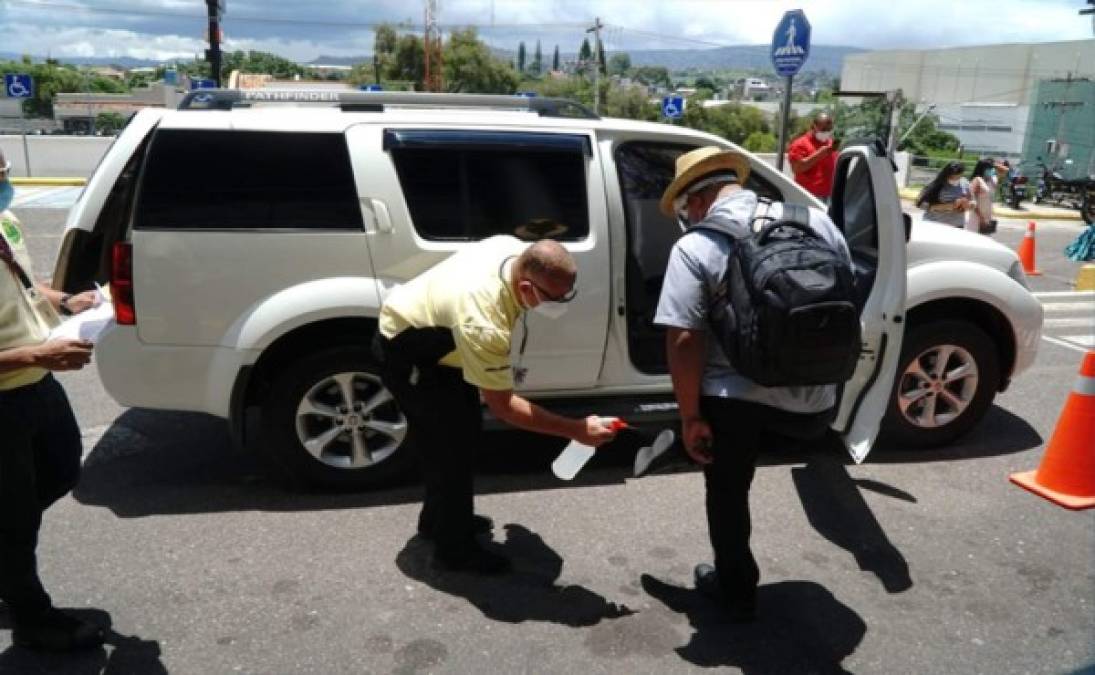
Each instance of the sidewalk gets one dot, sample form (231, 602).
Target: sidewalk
(1026, 210)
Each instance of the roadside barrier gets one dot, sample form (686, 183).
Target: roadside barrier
(1066, 475)
(1026, 252)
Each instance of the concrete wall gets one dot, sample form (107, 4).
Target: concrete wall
(56, 156)
(1005, 73)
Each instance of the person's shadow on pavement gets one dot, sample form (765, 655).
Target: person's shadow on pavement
(800, 628)
(121, 655)
(836, 508)
(528, 593)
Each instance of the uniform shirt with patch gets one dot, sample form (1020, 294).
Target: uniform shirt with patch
(20, 325)
(469, 294)
(696, 267)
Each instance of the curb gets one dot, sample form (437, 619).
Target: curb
(49, 181)
(999, 210)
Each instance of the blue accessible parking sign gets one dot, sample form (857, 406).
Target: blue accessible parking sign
(791, 43)
(18, 86)
(673, 107)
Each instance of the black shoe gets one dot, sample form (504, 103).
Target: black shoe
(56, 631)
(707, 583)
(473, 559)
(479, 525)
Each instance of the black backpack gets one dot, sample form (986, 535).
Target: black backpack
(785, 311)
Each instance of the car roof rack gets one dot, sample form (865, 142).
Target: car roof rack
(375, 101)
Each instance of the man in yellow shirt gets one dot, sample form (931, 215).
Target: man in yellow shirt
(444, 341)
(40, 451)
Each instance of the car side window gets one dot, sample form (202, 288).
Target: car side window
(857, 217)
(470, 185)
(217, 180)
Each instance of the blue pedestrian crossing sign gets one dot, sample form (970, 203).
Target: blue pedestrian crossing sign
(203, 84)
(18, 86)
(791, 43)
(371, 87)
(673, 107)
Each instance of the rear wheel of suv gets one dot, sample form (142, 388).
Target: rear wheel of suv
(329, 422)
(947, 378)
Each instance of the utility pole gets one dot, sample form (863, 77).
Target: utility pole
(896, 100)
(1062, 108)
(596, 30)
(1090, 11)
(213, 54)
(431, 39)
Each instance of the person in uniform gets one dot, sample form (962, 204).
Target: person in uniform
(41, 448)
(444, 342)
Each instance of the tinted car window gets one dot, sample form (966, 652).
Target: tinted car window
(464, 186)
(247, 180)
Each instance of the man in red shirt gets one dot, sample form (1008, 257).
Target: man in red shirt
(813, 157)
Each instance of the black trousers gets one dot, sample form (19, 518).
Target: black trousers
(446, 423)
(741, 431)
(40, 451)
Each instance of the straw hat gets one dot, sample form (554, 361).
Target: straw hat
(699, 163)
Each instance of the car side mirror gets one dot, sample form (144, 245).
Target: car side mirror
(908, 226)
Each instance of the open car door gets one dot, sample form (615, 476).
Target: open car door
(867, 208)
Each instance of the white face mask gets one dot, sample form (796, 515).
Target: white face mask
(823, 136)
(551, 310)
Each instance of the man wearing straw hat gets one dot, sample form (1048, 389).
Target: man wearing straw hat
(725, 417)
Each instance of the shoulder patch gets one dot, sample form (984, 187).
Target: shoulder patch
(11, 232)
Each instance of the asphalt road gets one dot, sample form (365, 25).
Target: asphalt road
(925, 562)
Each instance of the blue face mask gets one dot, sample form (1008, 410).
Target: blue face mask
(7, 194)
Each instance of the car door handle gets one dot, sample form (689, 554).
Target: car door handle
(377, 211)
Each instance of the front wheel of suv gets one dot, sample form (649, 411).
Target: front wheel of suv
(330, 422)
(948, 375)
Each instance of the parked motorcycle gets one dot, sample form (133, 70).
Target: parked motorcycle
(1015, 190)
(1076, 193)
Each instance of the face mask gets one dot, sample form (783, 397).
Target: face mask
(551, 310)
(989, 173)
(823, 136)
(7, 194)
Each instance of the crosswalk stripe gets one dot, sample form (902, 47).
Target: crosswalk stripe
(1063, 343)
(1079, 295)
(1082, 340)
(1069, 323)
(1069, 306)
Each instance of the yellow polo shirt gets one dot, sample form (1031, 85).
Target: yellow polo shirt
(468, 294)
(19, 323)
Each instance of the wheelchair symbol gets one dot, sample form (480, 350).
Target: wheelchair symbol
(18, 90)
(203, 98)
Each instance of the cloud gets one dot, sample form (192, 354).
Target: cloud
(163, 29)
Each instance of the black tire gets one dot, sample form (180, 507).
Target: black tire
(280, 439)
(919, 342)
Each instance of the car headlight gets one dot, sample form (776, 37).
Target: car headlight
(1016, 272)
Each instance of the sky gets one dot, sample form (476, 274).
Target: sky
(302, 30)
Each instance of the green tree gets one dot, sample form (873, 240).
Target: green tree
(261, 62)
(555, 60)
(630, 103)
(109, 122)
(760, 141)
(585, 53)
(619, 64)
(408, 61)
(652, 75)
(521, 56)
(470, 67)
(537, 66)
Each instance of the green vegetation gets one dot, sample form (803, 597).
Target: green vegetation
(109, 122)
(52, 78)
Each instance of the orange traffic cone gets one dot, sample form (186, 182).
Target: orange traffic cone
(1026, 252)
(1066, 475)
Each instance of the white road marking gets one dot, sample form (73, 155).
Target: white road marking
(1062, 343)
(1069, 323)
(1069, 306)
(1080, 295)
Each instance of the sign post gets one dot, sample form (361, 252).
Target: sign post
(789, 51)
(20, 87)
(213, 54)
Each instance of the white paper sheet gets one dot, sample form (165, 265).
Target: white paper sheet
(87, 325)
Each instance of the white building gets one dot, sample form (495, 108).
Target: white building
(981, 94)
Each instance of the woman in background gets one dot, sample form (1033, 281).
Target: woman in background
(947, 198)
(982, 187)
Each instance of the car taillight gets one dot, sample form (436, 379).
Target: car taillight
(121, 284)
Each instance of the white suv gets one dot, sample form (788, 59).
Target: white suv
(250, 238)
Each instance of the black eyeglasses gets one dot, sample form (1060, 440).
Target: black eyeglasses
(564, 298)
